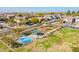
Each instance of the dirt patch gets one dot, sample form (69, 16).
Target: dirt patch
(60, 47)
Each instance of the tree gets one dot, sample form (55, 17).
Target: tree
(73, 13)
(3, 19)
(15, 45)
(40, 14)
(68, 12)
(35, 20)
(51, 13)
(77, 12)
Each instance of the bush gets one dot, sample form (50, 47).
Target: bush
(75, 49)
(34, 20)
(15, 45)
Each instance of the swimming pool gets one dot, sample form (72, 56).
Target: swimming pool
(25, 40)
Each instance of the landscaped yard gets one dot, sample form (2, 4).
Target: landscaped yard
(67, 39)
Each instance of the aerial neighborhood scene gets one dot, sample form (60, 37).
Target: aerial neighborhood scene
(39, 29)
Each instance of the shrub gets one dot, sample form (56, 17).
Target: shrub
(35, 20)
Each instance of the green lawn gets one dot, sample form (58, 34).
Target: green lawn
(3, 48)
(70, 35)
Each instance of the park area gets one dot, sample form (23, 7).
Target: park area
(64, 40)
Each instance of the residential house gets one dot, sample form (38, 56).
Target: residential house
(10, 16)
(19, 18)
(77, 18)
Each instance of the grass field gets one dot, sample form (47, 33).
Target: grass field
(67, 39)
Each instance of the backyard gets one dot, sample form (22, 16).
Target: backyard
(67, 39)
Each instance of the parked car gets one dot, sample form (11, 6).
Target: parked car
(29, 23)
(40, 33)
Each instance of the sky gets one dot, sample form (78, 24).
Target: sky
(37, 9)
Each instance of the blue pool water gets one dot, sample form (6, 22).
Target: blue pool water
(25, 40)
